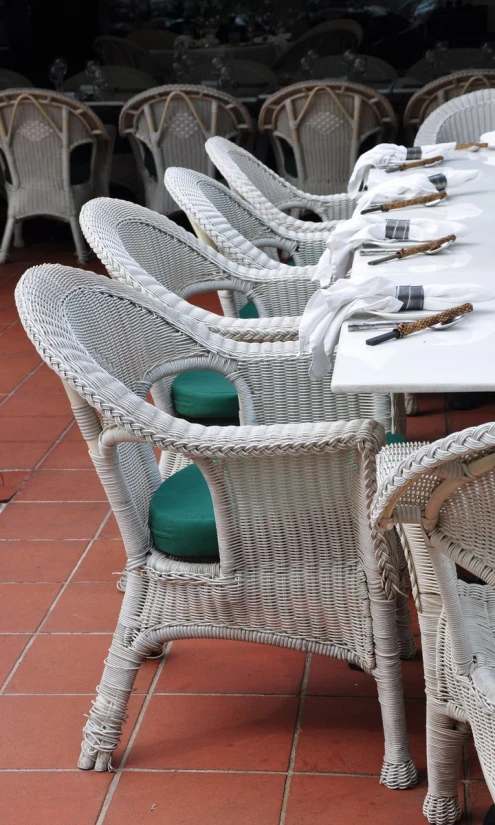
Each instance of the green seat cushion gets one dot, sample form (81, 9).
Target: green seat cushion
(248, 311)
(181, 517)
(204, 394)
(395, 438)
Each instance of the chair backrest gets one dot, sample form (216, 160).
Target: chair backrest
(13, 80)
(434, 94)
(39, 132)
(118, 51)
(376, 69)
(330, 37)
(169, 125)
(462, 119)
(451, 60)
(118, 78)
(152, 38)
(317, 130)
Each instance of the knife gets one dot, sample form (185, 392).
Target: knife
(402, 330)
(406, 252)
(387, 207)
(403, 167)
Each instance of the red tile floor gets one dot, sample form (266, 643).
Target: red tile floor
(219, 733)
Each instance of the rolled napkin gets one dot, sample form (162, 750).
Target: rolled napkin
(386, 154)
(348, 235)
(488, 137)
(327, 309)
(411, 186)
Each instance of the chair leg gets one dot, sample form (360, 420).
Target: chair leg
(407, 645)
(398, 769)
(411, 402)
(82, 252)
(7, 237)
(18, 239)
(444, 741)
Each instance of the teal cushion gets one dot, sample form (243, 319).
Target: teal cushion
(181, 517)
(395, 438)
(248, 311)
(204, 394)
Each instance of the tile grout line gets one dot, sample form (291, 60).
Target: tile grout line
(23, 380)
(295, 740)
(54, 603)
(118, 773)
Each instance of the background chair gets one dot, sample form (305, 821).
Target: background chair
(268, 193)
(318, 129)
(330, 37)
(441, 496)
(449, 60)
(337, 66)
(13, 80)
(118, 79)
(434, 94)
(463, 119)
(169, 125)
(55, 155)
(248, 78)
(119, 51)
(287, 506)
(152, 38)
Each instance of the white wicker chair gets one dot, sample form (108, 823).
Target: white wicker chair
(463, 118)
(269, 194)
(168, 126)
(434, 94)
(329, 37)
(236, 229)
(294, 562)
(13, 80)
(317, 130)
(453, 60)
(118, 78)
(442, 497)
(55, 155)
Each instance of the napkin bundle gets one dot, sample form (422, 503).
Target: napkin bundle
(348, 235)
(328, 308)
(387, 154)
(410, 186)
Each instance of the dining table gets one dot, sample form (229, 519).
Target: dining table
(458, 359)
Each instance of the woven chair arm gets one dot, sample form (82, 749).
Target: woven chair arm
(255, 330)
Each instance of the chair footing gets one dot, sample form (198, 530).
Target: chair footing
(100, 762)
(399, 777)
(441, 810)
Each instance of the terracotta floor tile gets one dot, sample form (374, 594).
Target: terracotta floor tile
(460, 419)
(110, 529)
(63, 485)
(69, 456)
(426, 427)
(197, 799)
(11, 648)
(23, 606)
(8, 314)
(10, 380)
(45, 731)
(86, 608)
(19, 363)
(39, 403)
(480, 800)
(27, 520)
(432, 402)
(332, 677)
(16, 348)
(207, 300)
(217, 666)
(32, 428)
(69, 664)
(74, 798)
(103, 560)
(350, 800)
(33, 561)
(346, 736)
(216, 733)
(11, 481)
(43, 380)
(22, 455)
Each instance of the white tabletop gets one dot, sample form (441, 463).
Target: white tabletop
(461, 359)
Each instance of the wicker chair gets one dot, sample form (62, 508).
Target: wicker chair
(117, 51)
(285, 556)
(434, 94)
(320, 128)
(118, 79)
(13, 80)
(168, 126)
(463, 118)
(268, 193)
(238, 231)
(330, 37)
(336, 66)
(442, 497)
(454, 60)
(55, 155)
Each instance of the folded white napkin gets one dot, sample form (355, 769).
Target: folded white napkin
(488, 137)
(348, 235)
(410, 186)
(327, 309)
(386, 154)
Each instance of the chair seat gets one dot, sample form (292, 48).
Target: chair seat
(248, 311)
(181, 517)
(204, 394)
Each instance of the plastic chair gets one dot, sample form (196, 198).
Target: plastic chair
(286, 506)
(168, 126)
(462, 119)
(318, 129)
(55, 156)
